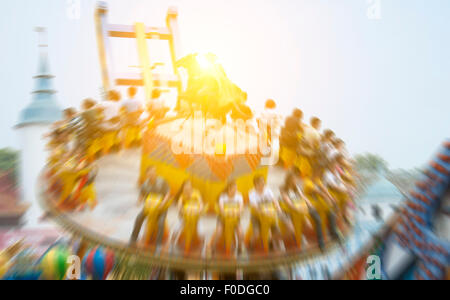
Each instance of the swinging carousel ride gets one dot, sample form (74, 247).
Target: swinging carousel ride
(166, 169)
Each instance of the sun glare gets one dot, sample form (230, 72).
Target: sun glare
(204, 62)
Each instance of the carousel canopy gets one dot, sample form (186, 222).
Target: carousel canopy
(206, 149)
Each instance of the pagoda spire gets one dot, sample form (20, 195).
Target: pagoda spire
(43, 108)
(43, 51)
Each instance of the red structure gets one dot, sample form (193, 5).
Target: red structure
(11, 211)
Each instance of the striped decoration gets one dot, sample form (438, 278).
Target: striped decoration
(98, 263)
(54, 263)
(414, 230)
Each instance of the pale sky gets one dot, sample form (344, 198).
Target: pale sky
(383, 85)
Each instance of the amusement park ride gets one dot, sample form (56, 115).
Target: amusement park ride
(146, 78)
(198, 238)
(186, 234)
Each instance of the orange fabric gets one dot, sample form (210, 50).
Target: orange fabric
(183, 160)
(221, 167)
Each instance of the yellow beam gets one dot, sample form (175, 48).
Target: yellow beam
(102, 36)
(174, 41)
(144, 59)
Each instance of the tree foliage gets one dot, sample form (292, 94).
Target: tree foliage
(371, 163)
(9, 163)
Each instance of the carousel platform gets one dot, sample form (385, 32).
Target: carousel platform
(110, 225)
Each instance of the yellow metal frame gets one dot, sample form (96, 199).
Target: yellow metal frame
(144, 59)
(141, 33)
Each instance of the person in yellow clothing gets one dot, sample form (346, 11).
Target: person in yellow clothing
(308, 150)
(303, 164)
(323, 203)
(294, 204)
(156, 196)
(62, 131)
(85, 192)
(53, 162)
(337, 187)
(111, 139)
(299, 187)
(88, 133)
(269, 121)
(290, 137)
(265, 212)
(131, 110)
(111, 122)
(67, 174)
(231, 196)
(187, 195)
(230, 209)
(190, 207)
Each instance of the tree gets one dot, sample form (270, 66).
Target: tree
(9, 163)
(371, 163)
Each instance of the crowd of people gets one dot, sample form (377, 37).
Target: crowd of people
(317, 190)
(323, 170)
(81, 137)
(299, 201)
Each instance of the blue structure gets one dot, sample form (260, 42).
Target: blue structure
(414, 232)
(44, 108)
